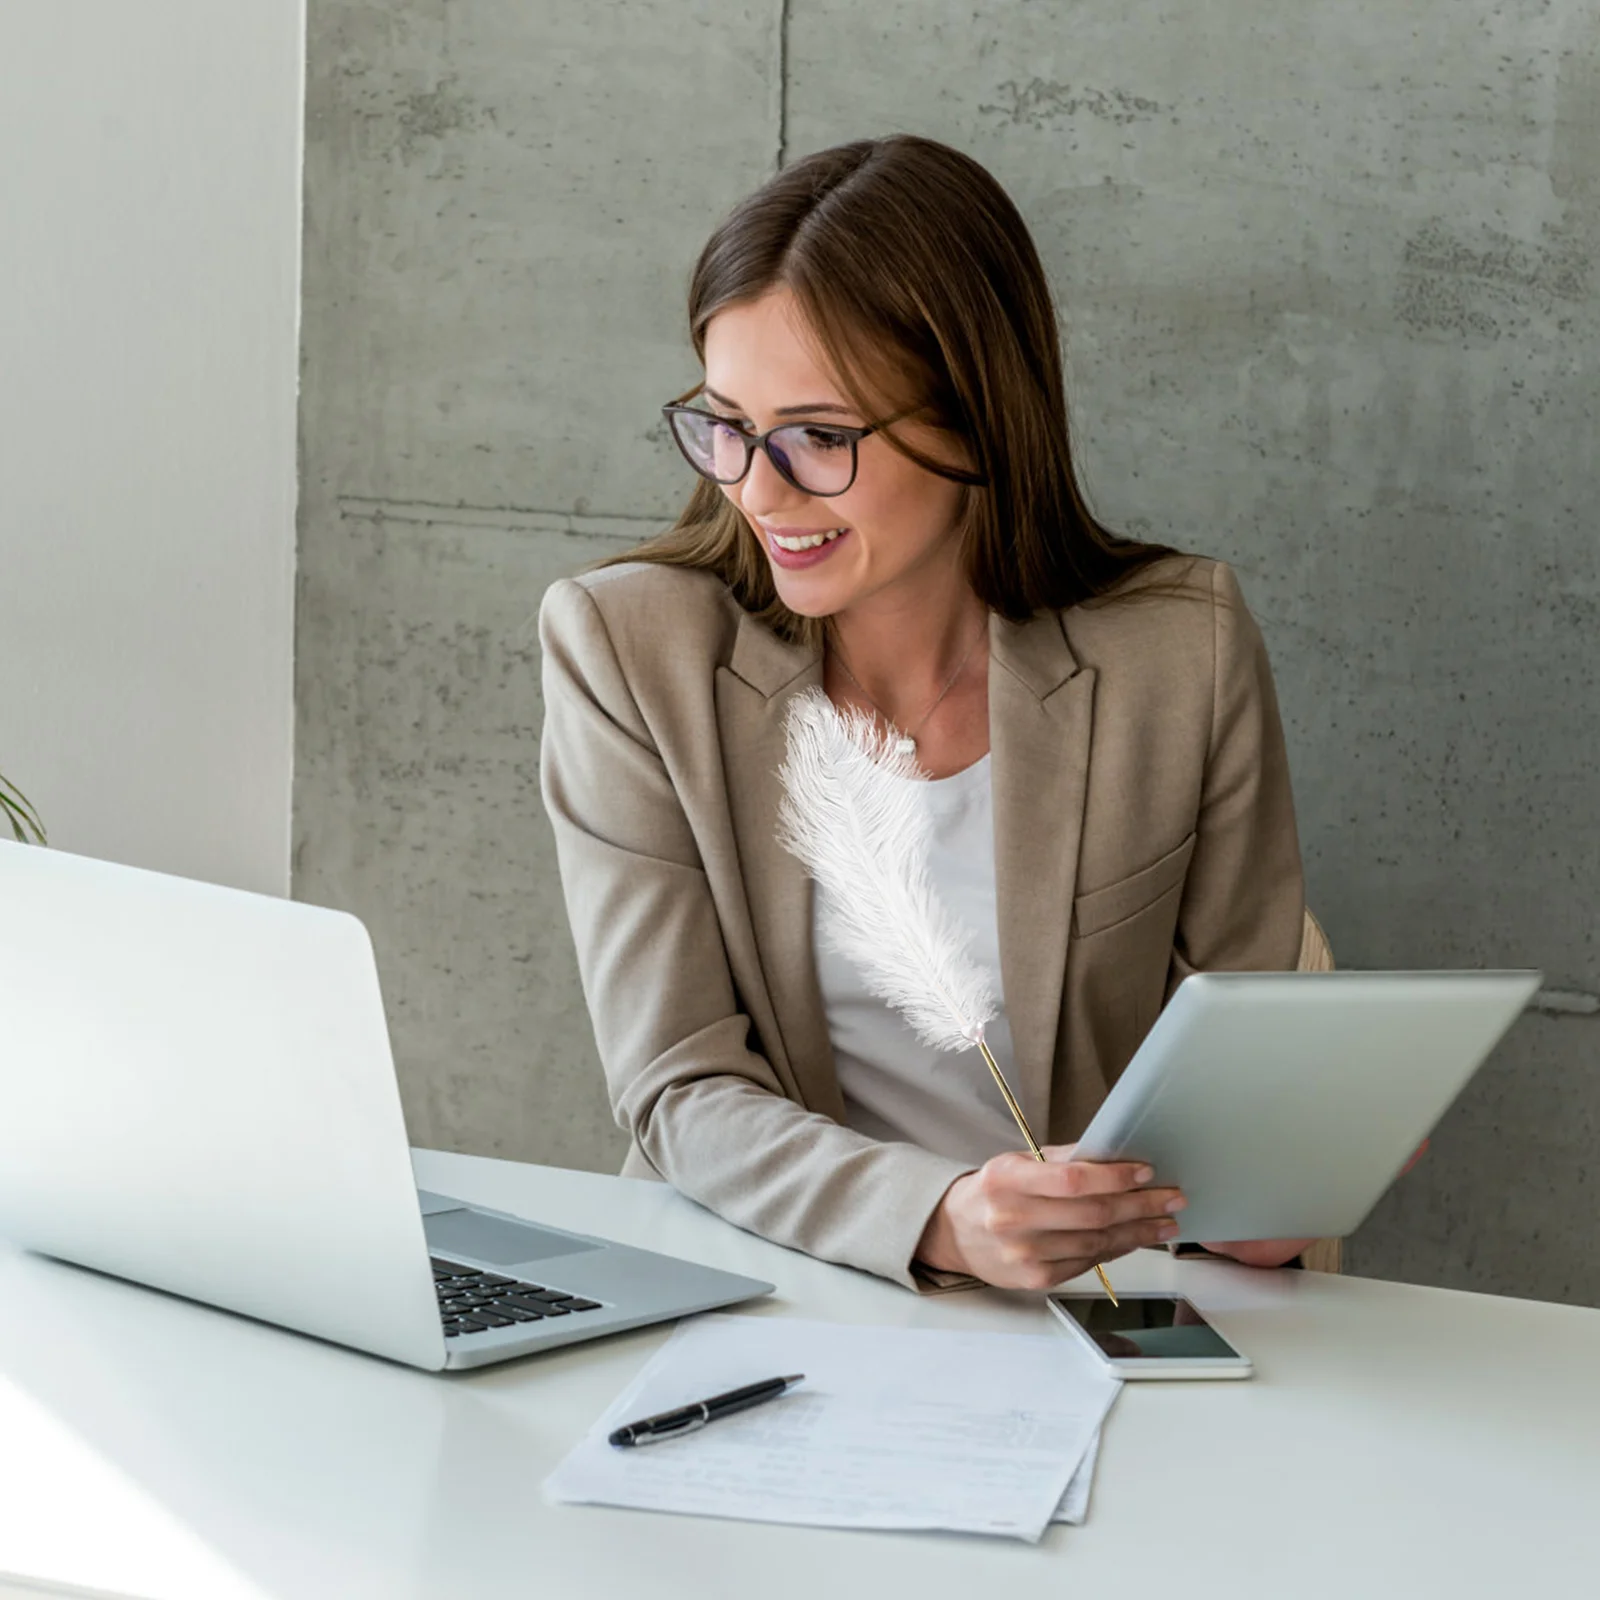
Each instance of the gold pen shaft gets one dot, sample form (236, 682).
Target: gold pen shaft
(1033, 1144)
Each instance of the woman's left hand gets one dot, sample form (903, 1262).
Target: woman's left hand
(1260, 1252)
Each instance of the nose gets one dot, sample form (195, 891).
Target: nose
(764, 490)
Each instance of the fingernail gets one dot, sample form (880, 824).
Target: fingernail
(1144, 1174)
(1167, 1230)
(1177, 1203)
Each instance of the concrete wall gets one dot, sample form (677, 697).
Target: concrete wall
(1326, 274)
(149, 285)
(500, 210)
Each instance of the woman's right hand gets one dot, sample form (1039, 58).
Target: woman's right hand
(1019, 1223)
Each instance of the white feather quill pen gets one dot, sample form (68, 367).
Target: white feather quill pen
(861, 829)
(853, 814)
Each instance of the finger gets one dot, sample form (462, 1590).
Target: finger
(1009, 1180)
(1086, 1214)
(1061, 1175)
(1036, 1272)
(1105, 1244)
(1059, 1153)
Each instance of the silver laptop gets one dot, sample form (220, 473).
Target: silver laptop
(197, 1093)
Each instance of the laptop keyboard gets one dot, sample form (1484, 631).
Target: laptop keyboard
(472, 1301)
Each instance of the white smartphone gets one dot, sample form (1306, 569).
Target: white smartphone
(1149, 1335)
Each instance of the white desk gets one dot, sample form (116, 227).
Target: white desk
(1397, 1441)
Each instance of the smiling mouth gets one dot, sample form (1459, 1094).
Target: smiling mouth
(804, 541)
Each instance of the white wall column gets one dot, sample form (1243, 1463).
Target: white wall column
(149, 310)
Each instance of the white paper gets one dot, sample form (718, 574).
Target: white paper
(893, 1428)
(1074, 1506)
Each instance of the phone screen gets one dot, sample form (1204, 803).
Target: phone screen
(1147, 1327)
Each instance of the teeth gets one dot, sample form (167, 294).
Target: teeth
(806, 541)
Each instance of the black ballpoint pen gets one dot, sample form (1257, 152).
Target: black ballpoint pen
(686, 1419)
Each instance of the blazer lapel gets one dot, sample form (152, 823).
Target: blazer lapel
(1041, 712)
(753, 694)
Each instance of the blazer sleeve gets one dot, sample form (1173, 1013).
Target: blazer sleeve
(706, 1110)
(1243, 906)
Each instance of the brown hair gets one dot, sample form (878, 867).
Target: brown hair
(924, 289)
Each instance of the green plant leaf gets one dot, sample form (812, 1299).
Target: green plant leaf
(20, 814)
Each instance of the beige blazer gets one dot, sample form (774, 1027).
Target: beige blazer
(1144, 829)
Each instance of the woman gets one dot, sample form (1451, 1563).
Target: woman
(887, 507)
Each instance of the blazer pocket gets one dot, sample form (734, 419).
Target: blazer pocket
(1127, 897)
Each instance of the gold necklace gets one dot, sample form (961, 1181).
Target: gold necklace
(905, 743)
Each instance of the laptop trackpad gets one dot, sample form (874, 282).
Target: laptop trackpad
(493, 1239)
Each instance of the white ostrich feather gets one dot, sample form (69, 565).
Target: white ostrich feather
(863, 833)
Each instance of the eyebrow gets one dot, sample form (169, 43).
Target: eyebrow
(783, 411)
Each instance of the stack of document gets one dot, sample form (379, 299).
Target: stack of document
(908, 1428)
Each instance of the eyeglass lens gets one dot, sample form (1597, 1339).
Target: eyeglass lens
(818, 460)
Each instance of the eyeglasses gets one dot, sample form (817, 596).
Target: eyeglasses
(817, 458)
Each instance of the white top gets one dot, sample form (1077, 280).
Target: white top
(896, 1087)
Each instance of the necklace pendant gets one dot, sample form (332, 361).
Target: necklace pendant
(905, 745)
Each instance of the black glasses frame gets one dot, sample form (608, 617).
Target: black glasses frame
(759, 441)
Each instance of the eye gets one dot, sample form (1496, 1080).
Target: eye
(825, 439)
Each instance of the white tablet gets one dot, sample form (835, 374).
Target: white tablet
(1283, 1104)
